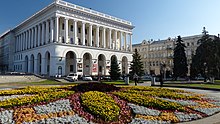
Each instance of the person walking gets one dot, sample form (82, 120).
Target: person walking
(135, 77)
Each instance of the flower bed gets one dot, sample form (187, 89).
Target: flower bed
(103, 103)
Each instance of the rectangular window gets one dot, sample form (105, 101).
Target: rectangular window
(86, 31)
(187, 44)
(63, 26)
(71, 68)
(71, 28)
(79, 30)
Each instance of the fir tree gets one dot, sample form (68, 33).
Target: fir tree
(136, 65)
(180, 61)
(114, 70)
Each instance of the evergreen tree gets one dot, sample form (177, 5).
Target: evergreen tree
(206, 62)
(180, 61)
(114, 70)
(136, 65)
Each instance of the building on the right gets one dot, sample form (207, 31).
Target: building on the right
(154, 54)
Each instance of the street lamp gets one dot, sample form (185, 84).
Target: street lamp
(162, 67)
(205, 71)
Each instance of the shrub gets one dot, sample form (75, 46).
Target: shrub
(101, 105)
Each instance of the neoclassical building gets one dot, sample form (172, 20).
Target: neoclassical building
(155, 53)
(64, 37)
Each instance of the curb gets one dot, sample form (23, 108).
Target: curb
(200, 88)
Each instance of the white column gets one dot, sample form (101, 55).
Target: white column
(47, 32)
(26, 46)
(52, 30)
(83, 38)
(16, 44)
(35, 36)
(110, 39)
(75, 32)
(97, 36)
(32, 37)
(38, 37)
(130, 42)
(66, 30)
(21, 45)
(90, 34)
(125, 42)
(29, 38)
(115, 39)
(103, 37)
(20, 42)
(56, 29)
(43, 34)
(120, 46)
(23, 40)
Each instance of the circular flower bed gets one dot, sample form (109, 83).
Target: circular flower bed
(102, 103)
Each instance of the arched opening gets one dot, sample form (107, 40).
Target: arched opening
(101, 65)
(114, 57)
(87, 64)
(71, 63)
(47, 63)
(32, 63)
(124, 65)
(26, 64)
(39, 61)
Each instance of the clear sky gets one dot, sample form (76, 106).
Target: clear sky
(153, 19)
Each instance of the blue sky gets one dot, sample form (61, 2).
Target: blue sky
(153, 19)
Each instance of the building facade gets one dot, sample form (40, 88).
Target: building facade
(157, 53)
(64, 37)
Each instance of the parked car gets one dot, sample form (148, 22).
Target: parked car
(73, 76)
(86, 78)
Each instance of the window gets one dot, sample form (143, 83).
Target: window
(86, 31)
(62, 26)
(79, 30)
(63, 40)
(71, 28)
(192, 44)
(71, 68)
(187, 44)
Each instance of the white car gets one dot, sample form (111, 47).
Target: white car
(87, 78)
(73, 76)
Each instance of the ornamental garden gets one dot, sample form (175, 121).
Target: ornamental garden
(99, 103)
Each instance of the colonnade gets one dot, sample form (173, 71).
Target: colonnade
(70, 31)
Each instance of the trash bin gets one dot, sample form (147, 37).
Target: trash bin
(153, 79)
(127, 80)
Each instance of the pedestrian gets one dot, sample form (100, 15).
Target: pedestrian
(135, 79)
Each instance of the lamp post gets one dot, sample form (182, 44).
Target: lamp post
(205, 71)
(162, 67)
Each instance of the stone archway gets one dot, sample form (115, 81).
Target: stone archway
(47, 63)
(32, 63)
(101, 65)
(87, 64)
(39, 62)
(124, 65)
(26, 64)
(71, 63)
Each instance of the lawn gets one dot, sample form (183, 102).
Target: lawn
(199, 85)
(102, 103)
